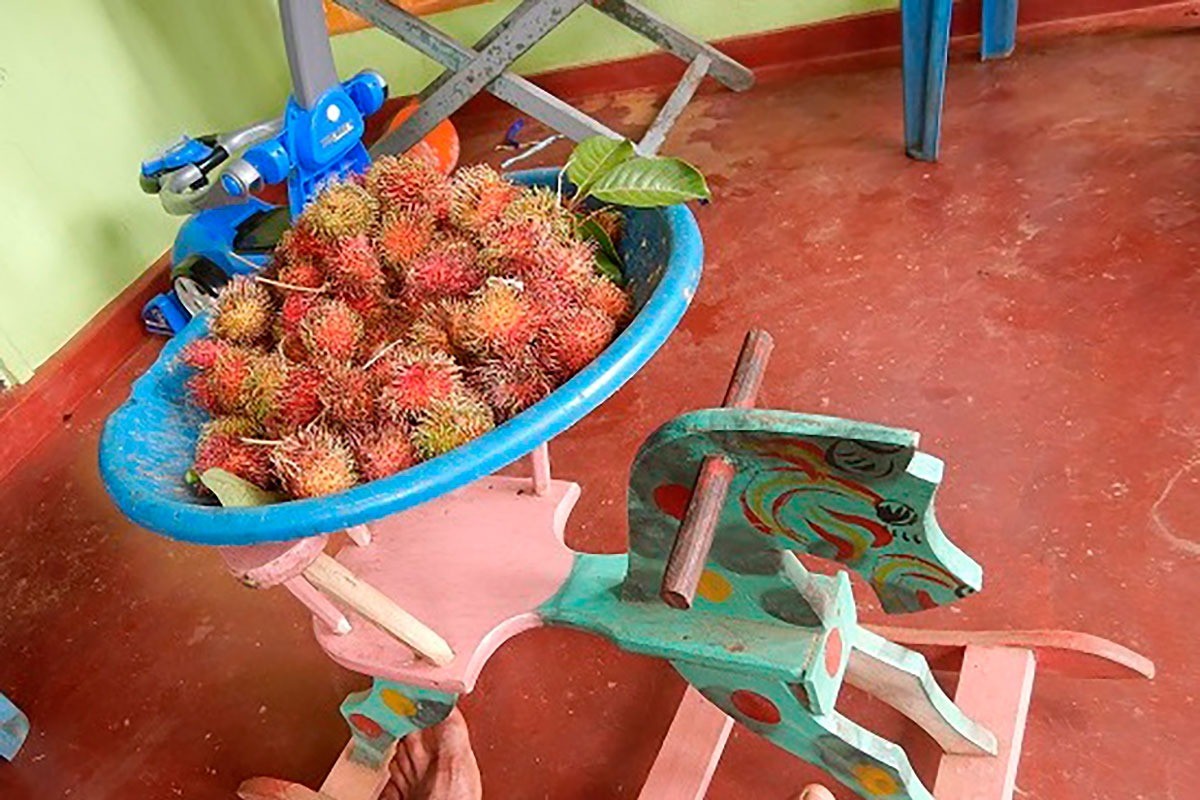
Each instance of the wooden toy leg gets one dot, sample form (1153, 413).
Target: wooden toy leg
(926, 44)
(386, 713)
(14, 727)
(902, 679)
(999, 29)
(866, 763)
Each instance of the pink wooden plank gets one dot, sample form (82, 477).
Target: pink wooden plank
(994, 690)
(472, 565)
(318, 604)
(350, 779)
(1067, 653)
(264, 565)
(691, 751)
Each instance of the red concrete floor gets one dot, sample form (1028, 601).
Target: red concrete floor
(1030, 305)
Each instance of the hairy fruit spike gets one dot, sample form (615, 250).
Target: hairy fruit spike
(299, 273)
(572, 340)
(401, 182)
(225, 382)
(293, 309)
(413, 380)
(512, 248)
(353, 266)
(260, 391)
(314, 462)
(439, 327)
(509, 386)
(332, 330)
(341, 209)
(385, 450)
(230, 426)
(403, 235)
(499, 320)
(447, 269)
(568, 265)
(541, 203)
(479, 195)
(202, 353)
(298, 401)
(244, 311)
(227, 451)
(301, 245)
(452, 422)
(348, 394)
(606, 297)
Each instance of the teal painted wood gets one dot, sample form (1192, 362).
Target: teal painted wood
(14, 728)
(389, 711)
(866, 763)
(855, 493)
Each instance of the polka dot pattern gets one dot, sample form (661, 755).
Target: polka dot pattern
(833, 652)
(367, 726)
(754, 706)
(398, 702)
(714, 587)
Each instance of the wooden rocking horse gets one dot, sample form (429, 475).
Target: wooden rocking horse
(721, 502)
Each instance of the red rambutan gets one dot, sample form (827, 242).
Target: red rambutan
(572, 339)
(305, 274)
(541, 203)
(452, 422)
(479, 195)
(439, 327)
(221, 446)
(385, 450)
(403, 235)
(202, 353)
(332, 330)
(447, 269)
(225, 382)
(353, 266)
(314, 462)
(259, 397)
(244, 311)
(511, 385)
(512, 247)
(341, 209)
(292, 310)
(297, 402)
(400, 182)
(606, 297)
(301, 245)
(413, 380)
(348, 395)
(499, 320)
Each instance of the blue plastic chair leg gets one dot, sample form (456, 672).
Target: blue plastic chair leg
(14, 727)
(999, 29)
(926, 42)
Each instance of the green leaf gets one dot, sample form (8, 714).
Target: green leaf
(590, 230)
(651, 183)
(609, 268)
(593, 158)
(232, 490)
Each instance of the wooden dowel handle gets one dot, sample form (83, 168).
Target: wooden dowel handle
(751, 367)
(695, 537)
(328, 575)
(689, 553)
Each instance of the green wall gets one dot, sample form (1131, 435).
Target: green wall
(88, 88)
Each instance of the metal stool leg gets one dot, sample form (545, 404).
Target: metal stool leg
(926, 43)
(999, 29)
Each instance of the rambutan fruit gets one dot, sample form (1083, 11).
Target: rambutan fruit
(385, 450)
(353, 266)
(439, 327)
(400, 182)
(297, 402)
(305, 274)
(566, 264)
(259, 397)
(542, 203)
(348, 395)
(448, 268)
(499, 320)
(412, 380)
(226, 380)
(221, 446)
(230, 425)
(201, 394)
(301, 244)
(341, 209)
(606, 297)
(368, 301)
(452, 422)
(572, 340)
(292, 310)
(332, 330)
(314, 462)
(479, 195)
(404, 234)
(244, 311)
(513, 247)
(202, 353)
(611, 221)
(511, 385)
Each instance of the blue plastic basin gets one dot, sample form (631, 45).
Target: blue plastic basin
(148, 442)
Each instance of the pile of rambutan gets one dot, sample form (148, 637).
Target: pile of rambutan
(405, 313)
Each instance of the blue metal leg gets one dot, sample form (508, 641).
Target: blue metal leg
(14, 727)
(999, 29)
(926, 42)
